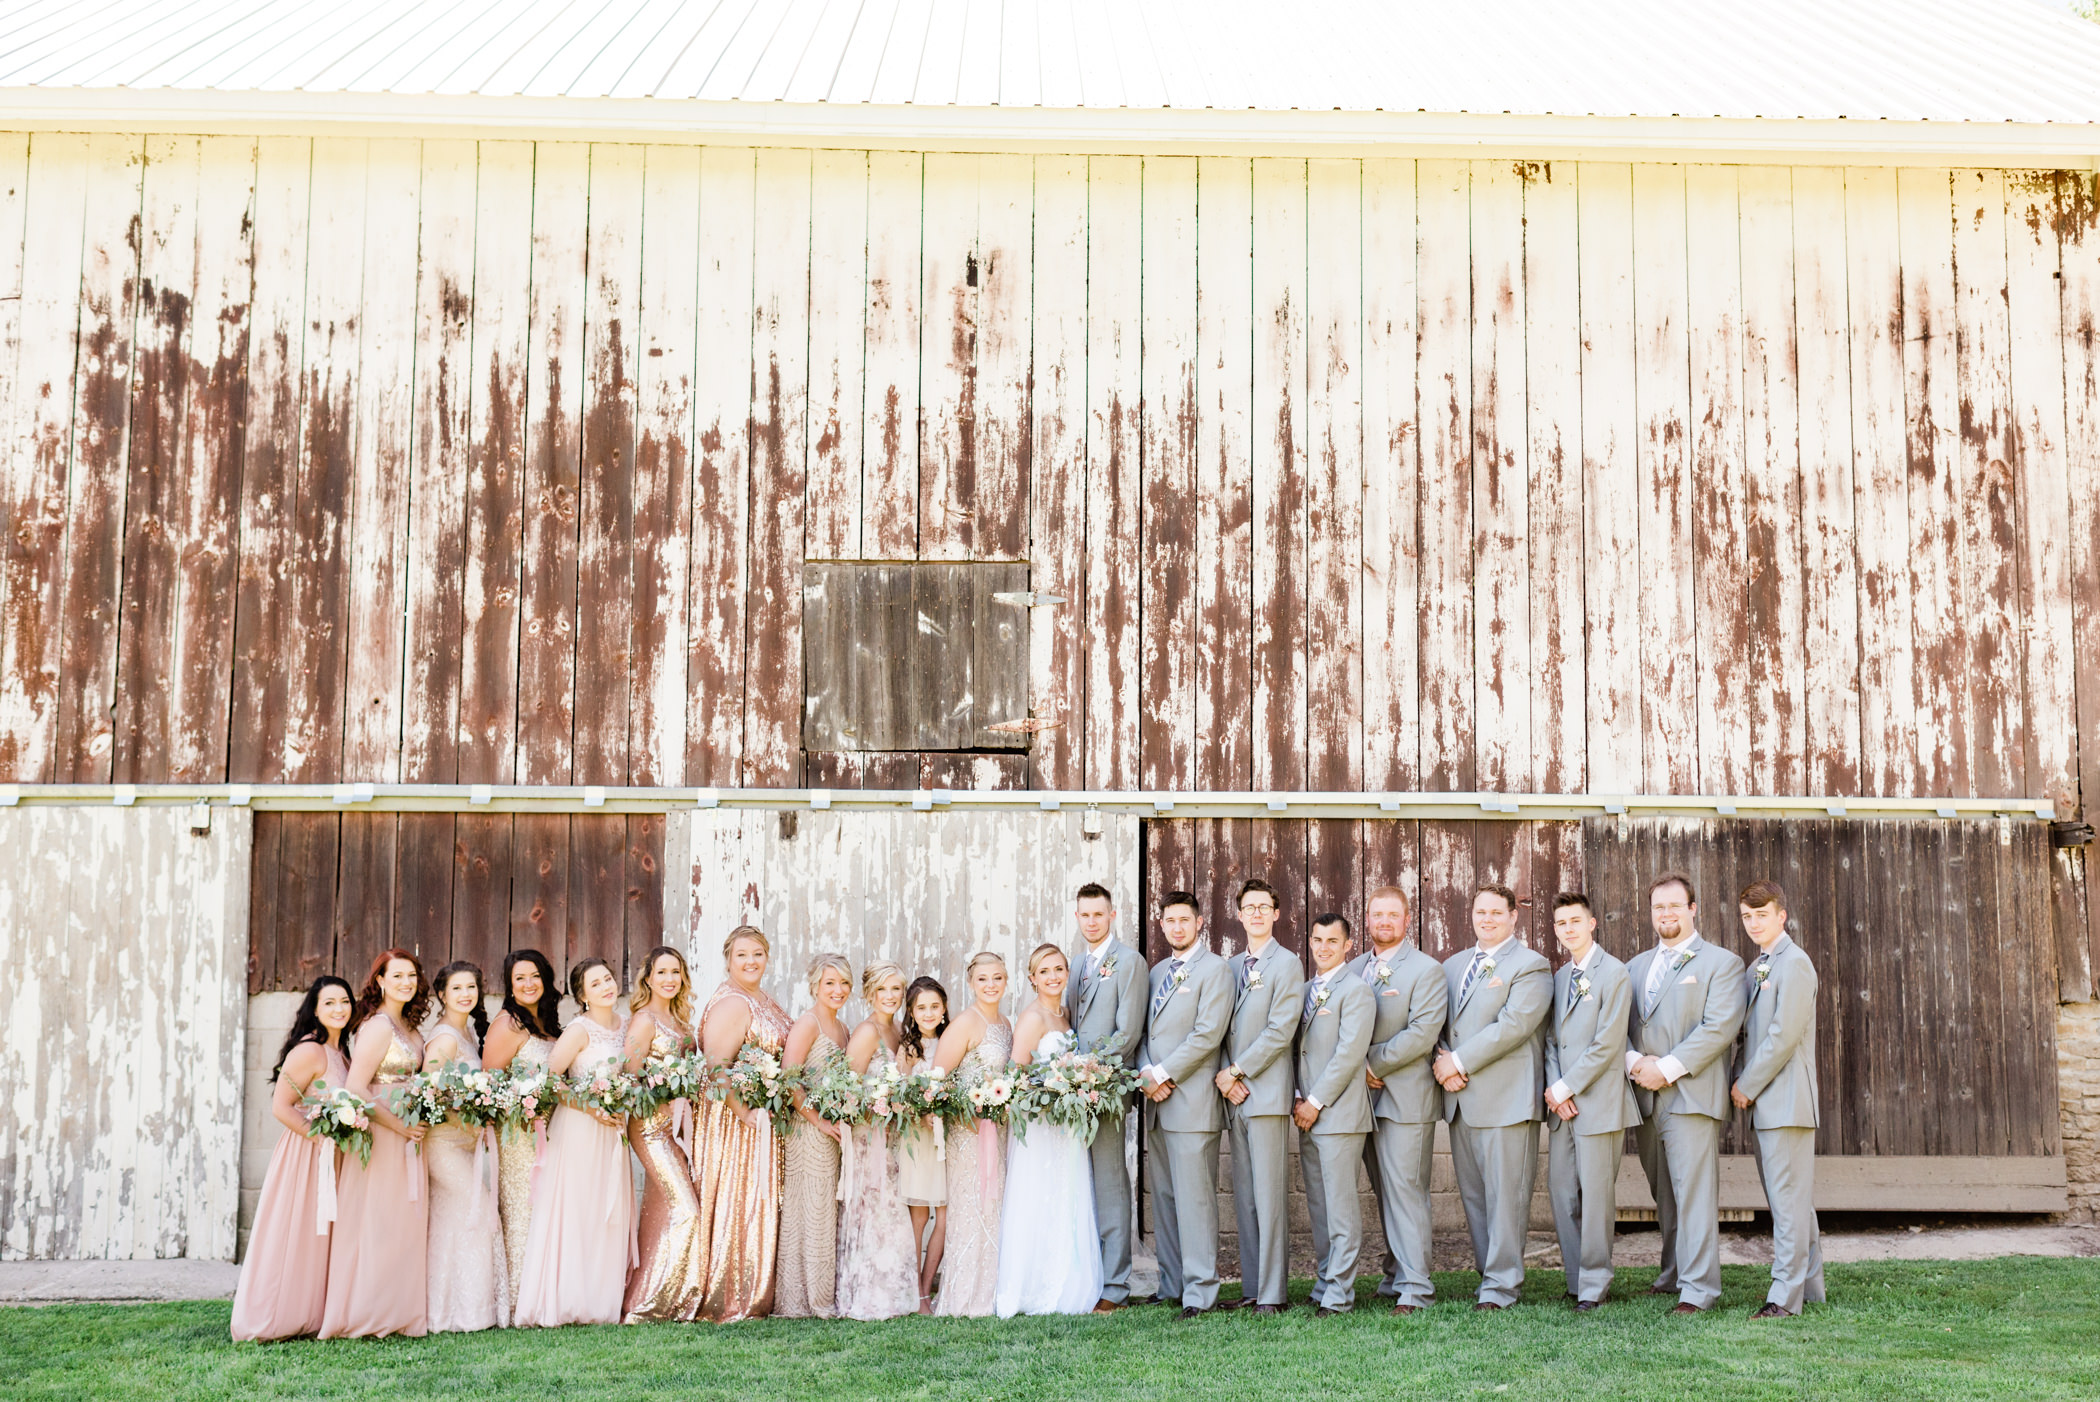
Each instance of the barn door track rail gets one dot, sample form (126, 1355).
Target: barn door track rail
(547, 798)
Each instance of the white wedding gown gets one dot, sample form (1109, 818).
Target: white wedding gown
(1049, 1247)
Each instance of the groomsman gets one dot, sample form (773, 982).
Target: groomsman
(1590, 1103)
(1106, 1004)
(1687, 1008)
(1191, 1002)
(1776, 1082)
(1333, 1110)
(1493, 1070)
(1410, 1003)
(1268, 986)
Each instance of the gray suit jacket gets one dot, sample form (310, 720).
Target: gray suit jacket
(1495, 1032)
(1264, 1024)
(1111, 1005)
(1330, 1061)
(1586, 1047)
(1778, 1063)
(1411, 1003)
(1183, 1038)
(1695, 1020)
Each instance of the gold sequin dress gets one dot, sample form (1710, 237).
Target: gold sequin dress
(737, 1174)
(516, 1151)
(807, 1281)
(671, 1273)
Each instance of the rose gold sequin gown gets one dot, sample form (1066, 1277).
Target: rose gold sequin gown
(284, 1281)
(976, 1191)
(806, 1284)
(737, 1172)
(671, 1274)
(380, 1253)
(517, 1149)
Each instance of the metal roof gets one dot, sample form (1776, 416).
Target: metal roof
(1968, 61)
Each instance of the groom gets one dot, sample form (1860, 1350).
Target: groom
(1185, 1025)
(1106, 1005)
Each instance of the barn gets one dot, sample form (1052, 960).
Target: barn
(579, 475)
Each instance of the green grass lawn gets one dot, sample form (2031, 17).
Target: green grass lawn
(2023, 1328)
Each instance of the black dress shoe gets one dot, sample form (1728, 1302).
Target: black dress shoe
(1242, 1303)
(1268, 1309)
(1662, 1290)
(1153, 1300)
(1191, 1312)
(1487, 1305)
(1773, 1312)
(1585, 1306)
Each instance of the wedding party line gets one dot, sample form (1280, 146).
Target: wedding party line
(441, 1171)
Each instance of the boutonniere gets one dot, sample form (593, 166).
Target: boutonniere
(1678, 960)
(1254, 976)
(1487, 966)
(1320, 999)
(1384, 971)
(1108, 967)
(1762, 971)
(1180, 976)
(1581, 985)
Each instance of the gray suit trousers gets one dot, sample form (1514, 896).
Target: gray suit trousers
(1185, 1215)
(1112, 1205)
(1497, 1168)
(1398, 1157)
(1582, 1178)
(1261, 1203)
(1786, 1161)
(1329, 1163)
(1681, 1154)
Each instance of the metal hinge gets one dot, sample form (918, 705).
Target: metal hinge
(1027, 599)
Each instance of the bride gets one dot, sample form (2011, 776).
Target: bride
(1049, 1248)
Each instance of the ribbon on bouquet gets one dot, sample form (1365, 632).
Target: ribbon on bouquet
(485, 1150)
(539, 1152)
(682, 1125)
(845, 1193)
(324, 1203)
(415, 1178)
(940, 1138)
(987, 1152)
(764, 1159)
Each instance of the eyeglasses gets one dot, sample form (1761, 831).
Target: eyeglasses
(1257, 908)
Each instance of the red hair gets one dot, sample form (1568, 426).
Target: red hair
(370, 999)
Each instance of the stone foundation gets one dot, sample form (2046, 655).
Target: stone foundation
(2078, 1089)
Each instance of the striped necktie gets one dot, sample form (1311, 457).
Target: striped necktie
(1472, 972)
(1166, 986)
(1658, 972)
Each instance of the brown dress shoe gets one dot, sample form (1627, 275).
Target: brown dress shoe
(1406, 1309)
(1106, 1306)
(1772, 1312)
(1684, 1308)
(1487, 1305)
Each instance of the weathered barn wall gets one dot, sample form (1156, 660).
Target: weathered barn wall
(121, 1032)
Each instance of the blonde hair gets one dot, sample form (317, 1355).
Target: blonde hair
(818, 965)
(746, 932)
(983, 956)
(682, 1005)
(875, 975)
(1040, 953)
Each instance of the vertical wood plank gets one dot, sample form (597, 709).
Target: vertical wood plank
(499, 300)
(263, 597)
(1114, 482)
(663, 462)
(1775, 587)
(555, 375)
(1391, 444)
(1501, 641)
(1168, 529)
(14, 205)
(1611, 580)
(95, 495)
(364, 894)
(605, 509)
(1058, 471)
(1833, 682)
(890, 422)
(423, 875)
(1714, 334)
(1669, 684)
(1278, 537)
(481, 902)
(539, 885)
(838, 341)
(715, 665)
(1939, 633)
(1334, 512)
(1445, 380)
(1554, 493)
(597, 924)
(2078, 231)
(998, 504)
(381, 468)
(1224, 464)
(643, 914)
(779, 443)
(950, 277)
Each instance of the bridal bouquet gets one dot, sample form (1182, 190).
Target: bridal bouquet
(682, 1075)
(607, 1090)
(884, 1088)
(992, 1096)
(759, 1082)
(1076, 1091)
(334, 1114)
(838, 1093)
(472, 1095)
(523, 1097)
(418, 1100)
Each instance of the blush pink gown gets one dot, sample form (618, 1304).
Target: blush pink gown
(577, 1251)
(377, 1262)
(284, 1281)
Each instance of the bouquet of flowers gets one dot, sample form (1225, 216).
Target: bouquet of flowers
(837, 1093)
(992, 1096)
(608, 1090)
(472, 1095)
(1075, 1091)
(884, 1088)
(343, 1119)
(924, 1100)
(523, 1097)
(419, 1100)
(682, 1075)
(759, 1082)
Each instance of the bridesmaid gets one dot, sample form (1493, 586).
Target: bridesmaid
(878, 1255)
(522, 1036)
(809, 1195)
(922, 1171)
(667, 1280)
(469, 1280)
(974, 1046)
(376, 1282)
(583, 1210)
(736, 1159)
(284, 1283)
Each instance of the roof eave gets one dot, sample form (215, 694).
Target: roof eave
(1097, 130)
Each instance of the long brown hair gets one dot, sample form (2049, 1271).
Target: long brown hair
(682, 1005)
(370, 999)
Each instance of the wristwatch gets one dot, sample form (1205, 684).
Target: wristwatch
(1235, 1072)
